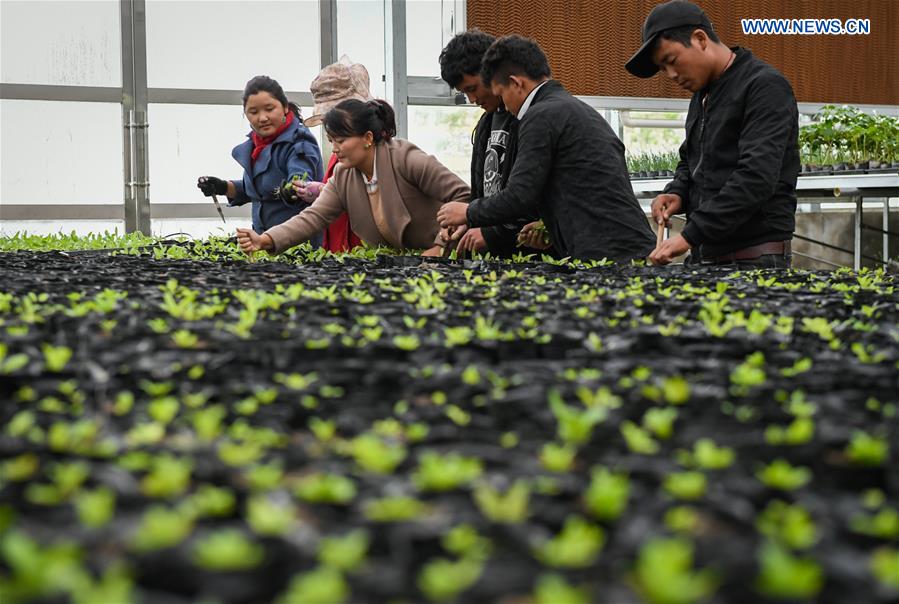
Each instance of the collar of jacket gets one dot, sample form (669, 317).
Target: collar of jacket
(545, 88)
(741, 59)
(243, 152)
(396, 215)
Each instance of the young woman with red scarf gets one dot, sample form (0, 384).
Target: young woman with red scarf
(279, 150)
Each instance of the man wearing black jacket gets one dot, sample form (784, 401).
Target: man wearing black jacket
(569, 167)
(493, 141)
(736, 179)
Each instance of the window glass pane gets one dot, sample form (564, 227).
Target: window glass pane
(221, 45)
(188, 141)
(445, 132)
(54, 152)
(360, 36)
(71, 42)
(424, 37)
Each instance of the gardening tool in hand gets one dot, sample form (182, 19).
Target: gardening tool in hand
(660, 237)
(218, 207)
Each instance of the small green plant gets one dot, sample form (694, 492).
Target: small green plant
(325, 488)
(394, 509)
(780, 475)
(676, 390)
(95, 508)
(346, 552)
(445, 472)
(463, 541)
(511, 507)
(377, 455)
(664, 573)
(790, 525)
(161, 527)
(637, 439)
(885, 567)
(169, 476)
(783, 575)
(210, 502)
(441, 579)
(687, 486)
(323, 585)
(269, 518)
(660, 421)
(576, 546)
(709, 456)
(883, 525)
(574, 426)
(552, 589)
(606, 497)
(867, 450)
(557, 457)
(227, 550)
(798, 432)
(56, 357)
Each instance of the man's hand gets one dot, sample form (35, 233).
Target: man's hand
(669, 250)
(308, 191)
(452, 214)
(664, 207)
(534, 235)
(472, 241)
(435, 251)
(250, 241)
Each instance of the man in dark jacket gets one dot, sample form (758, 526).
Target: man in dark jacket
(493, 141)
(736, 179)
(569, 166)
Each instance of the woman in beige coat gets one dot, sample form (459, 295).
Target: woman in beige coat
(390, 188)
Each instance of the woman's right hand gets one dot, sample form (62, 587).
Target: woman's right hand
(308, 191)
(250, 241)
(210, 185)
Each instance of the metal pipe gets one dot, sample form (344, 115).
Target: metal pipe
(631, 122)
(857, 255)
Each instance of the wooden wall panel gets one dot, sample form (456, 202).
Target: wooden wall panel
(588, 42)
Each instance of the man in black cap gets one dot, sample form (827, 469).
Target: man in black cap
(736, 179)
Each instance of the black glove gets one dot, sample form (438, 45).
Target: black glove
(285, 193)
(210, 185)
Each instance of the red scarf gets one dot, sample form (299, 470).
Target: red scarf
(339, 235)
(261, 142)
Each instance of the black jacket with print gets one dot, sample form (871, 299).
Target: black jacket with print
(740, 160)
(570, 170)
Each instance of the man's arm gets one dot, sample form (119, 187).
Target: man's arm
(533, 163)
(769, 121)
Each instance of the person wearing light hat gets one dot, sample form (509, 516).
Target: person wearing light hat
(335, 83)
(736, 179)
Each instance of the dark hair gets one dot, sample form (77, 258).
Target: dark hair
(513, 55)
(684, 34)
(462, 56)
(263, 83)
(353, 117)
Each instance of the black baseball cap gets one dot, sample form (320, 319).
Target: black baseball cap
(675, 13)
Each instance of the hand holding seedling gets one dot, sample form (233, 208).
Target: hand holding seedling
(664, 207)
(453, 213)
(472, 241)
(250, 241)
(669, 250)
(534, 235)
(307, 191)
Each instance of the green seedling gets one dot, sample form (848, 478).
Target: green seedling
(780, 475)
(557, 458)
(268, 517)
(394, 509)
(789, 525)
(664, 573)
(376, 455)
(463, 541)
(867, 450)
(576, 546)
(606, 497)
(346, 552)
(441, 579)
(331, 489)
(552, 589)
(885, 567)
(510, 507)
(687, 486)
(227, 550)
(445, 472)
(161, 528)
(783, 575)
(325, 585)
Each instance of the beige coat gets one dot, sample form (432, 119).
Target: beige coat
(413, 186)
